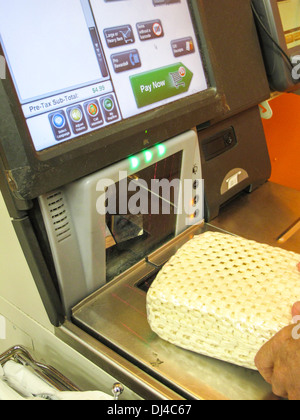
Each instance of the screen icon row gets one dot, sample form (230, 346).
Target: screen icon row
(82, 117)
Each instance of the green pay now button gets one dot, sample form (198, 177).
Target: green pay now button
(157, 85)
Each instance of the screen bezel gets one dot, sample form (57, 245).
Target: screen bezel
(31, 173)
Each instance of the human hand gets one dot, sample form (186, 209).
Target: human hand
(278, 361)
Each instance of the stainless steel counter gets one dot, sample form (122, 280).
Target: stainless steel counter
(263, 216)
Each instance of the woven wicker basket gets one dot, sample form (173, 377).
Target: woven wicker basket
(224, 297)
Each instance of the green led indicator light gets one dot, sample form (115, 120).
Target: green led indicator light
(161, 150)
(134, 162)
(148, 156)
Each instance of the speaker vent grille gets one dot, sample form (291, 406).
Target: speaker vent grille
(59, 216)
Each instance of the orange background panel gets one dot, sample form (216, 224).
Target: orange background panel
(283, 138)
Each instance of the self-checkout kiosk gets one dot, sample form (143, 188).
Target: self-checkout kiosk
(102, 102)
(278, 26)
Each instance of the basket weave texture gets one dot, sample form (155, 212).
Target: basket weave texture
(224, 296)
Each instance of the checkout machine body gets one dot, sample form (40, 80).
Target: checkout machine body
(51, 193)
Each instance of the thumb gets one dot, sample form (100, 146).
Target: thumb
(296, 306)
(296, 309)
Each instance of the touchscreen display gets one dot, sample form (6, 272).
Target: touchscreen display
(81, 65)
(290, 17)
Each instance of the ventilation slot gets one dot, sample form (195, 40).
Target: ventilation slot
(59, 216)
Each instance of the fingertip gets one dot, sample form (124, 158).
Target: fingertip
(296, 309)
